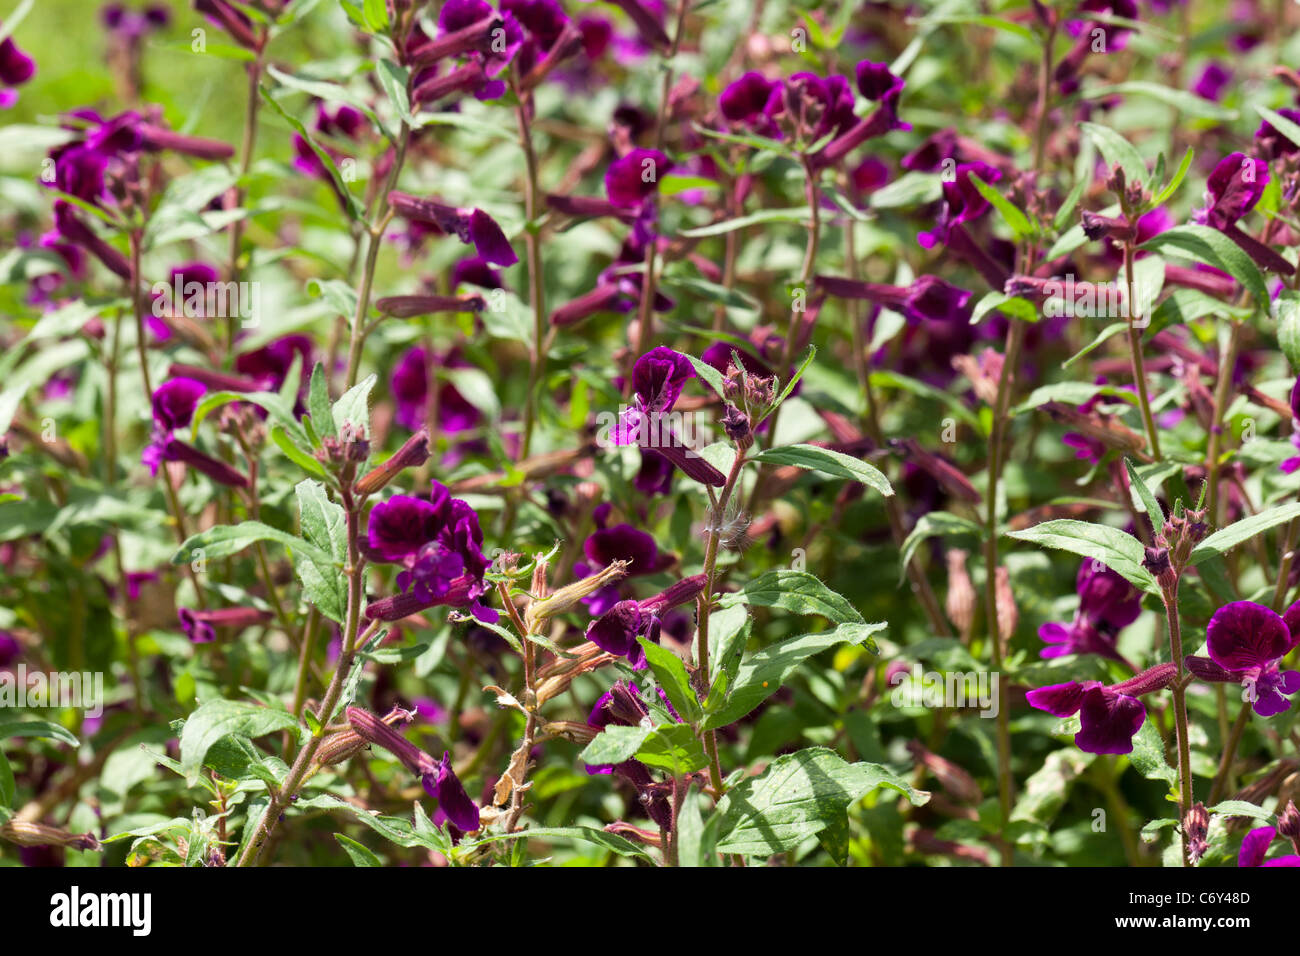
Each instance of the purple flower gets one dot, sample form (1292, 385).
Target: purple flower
(1109, 716)
(200, 626)
(1232, 190)
(621, 706)
(439, 544)
(269, 366)
(475, 270)
(1246, 641)
(1277, 144)
(744, 100)
(471, 226)
(1107, 604)
(633, 179)
(410, 387)
(175, 400)
(1209, 85)
(16, 68)
(436, 776)
(927, 299)
(1254, 846)
(962, 202)
(616, 631)
(10, 649)
(657, 379)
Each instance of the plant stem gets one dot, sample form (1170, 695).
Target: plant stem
(1180, 709)
(536, 285)
(1135, 354)
(245, 160)
(1011, 357)
(1221, 396)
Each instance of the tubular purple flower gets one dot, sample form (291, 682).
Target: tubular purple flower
(1246, 642)
(927, 299)
(471, 226)
(218, 471)
(1107, 604)
(413, 453)
(633, 179)
(1109, 716)
(175, 400)
(436, 776)
(616, 631)
(200, 626)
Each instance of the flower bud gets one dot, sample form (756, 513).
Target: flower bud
(1288, 824)
(1196, 826)
(960, 604)
(1008, 615)
(412, 454)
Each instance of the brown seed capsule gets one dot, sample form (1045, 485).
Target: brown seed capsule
(1008, 615)
(960, 604)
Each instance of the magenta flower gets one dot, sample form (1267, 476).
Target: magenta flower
(1246, 641)
(1107, 604)
(471, 226)
(201, 626)
(269, 365)
(174, 402)
(1232, 190)
(1274, 142)
(633, 179)
(1254, 847)
(436, 776)
(616, 631)
(927, 299)
(621, 706)
(744, 100)
(440, 546)
(1109, 715)
(1212, 81)
(657, 380)
(16, 68)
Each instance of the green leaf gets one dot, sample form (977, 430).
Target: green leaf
(1009, 305)
(1120, 552)
(361, 855)
(325, 525)
(1212, 247)
(1226, 539)
(608, 841)
(37, 728)
(828, 462)
(220, 718)
(1286, 127)
(1117, 151)
(225, 540)
(763, 674)
(1149, 503)
(799, 796)
(1017, 220)
(789, 386)
(1179, 175)
(318, 404)
(351, 206)
(393, 79)
(1115, 328)
(7, 785)
(1148, 756)
(671, 674)
(1063, 214)
(1241, 808)
(1186, 102)
(295, 454)
(376, 15)
(673, 748)
(710, 375)
(354, 405)
(1287, 310)
(932, 524)
(798, 214)
(796, 591)
(614, 744)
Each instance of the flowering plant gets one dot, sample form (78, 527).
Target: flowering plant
(655, 433)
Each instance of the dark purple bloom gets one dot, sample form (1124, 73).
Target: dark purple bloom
(439, 544)
(622, 706)
(1246, 641)
(436, 776)
(1107, 604)
(475, 271)
(1109, 716)
(410, 387)
(962, 202)
(471, 226)
(743, 101)
(200, 626)
(1210, 84)
(9, 649)
(927, 299)
(1232, 190)
(1254, 847)
(633, 179)
(16, 68)
(174, 402)
(269, 365)
(1278, 144)
(616, 631)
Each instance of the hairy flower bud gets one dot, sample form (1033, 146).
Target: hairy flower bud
(1196, 826)
(413, 453)
(960, 604)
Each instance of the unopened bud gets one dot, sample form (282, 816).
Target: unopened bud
(1288, 824)
(412, 454)
(568, 596)
(960, 604)
(1008, 615)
